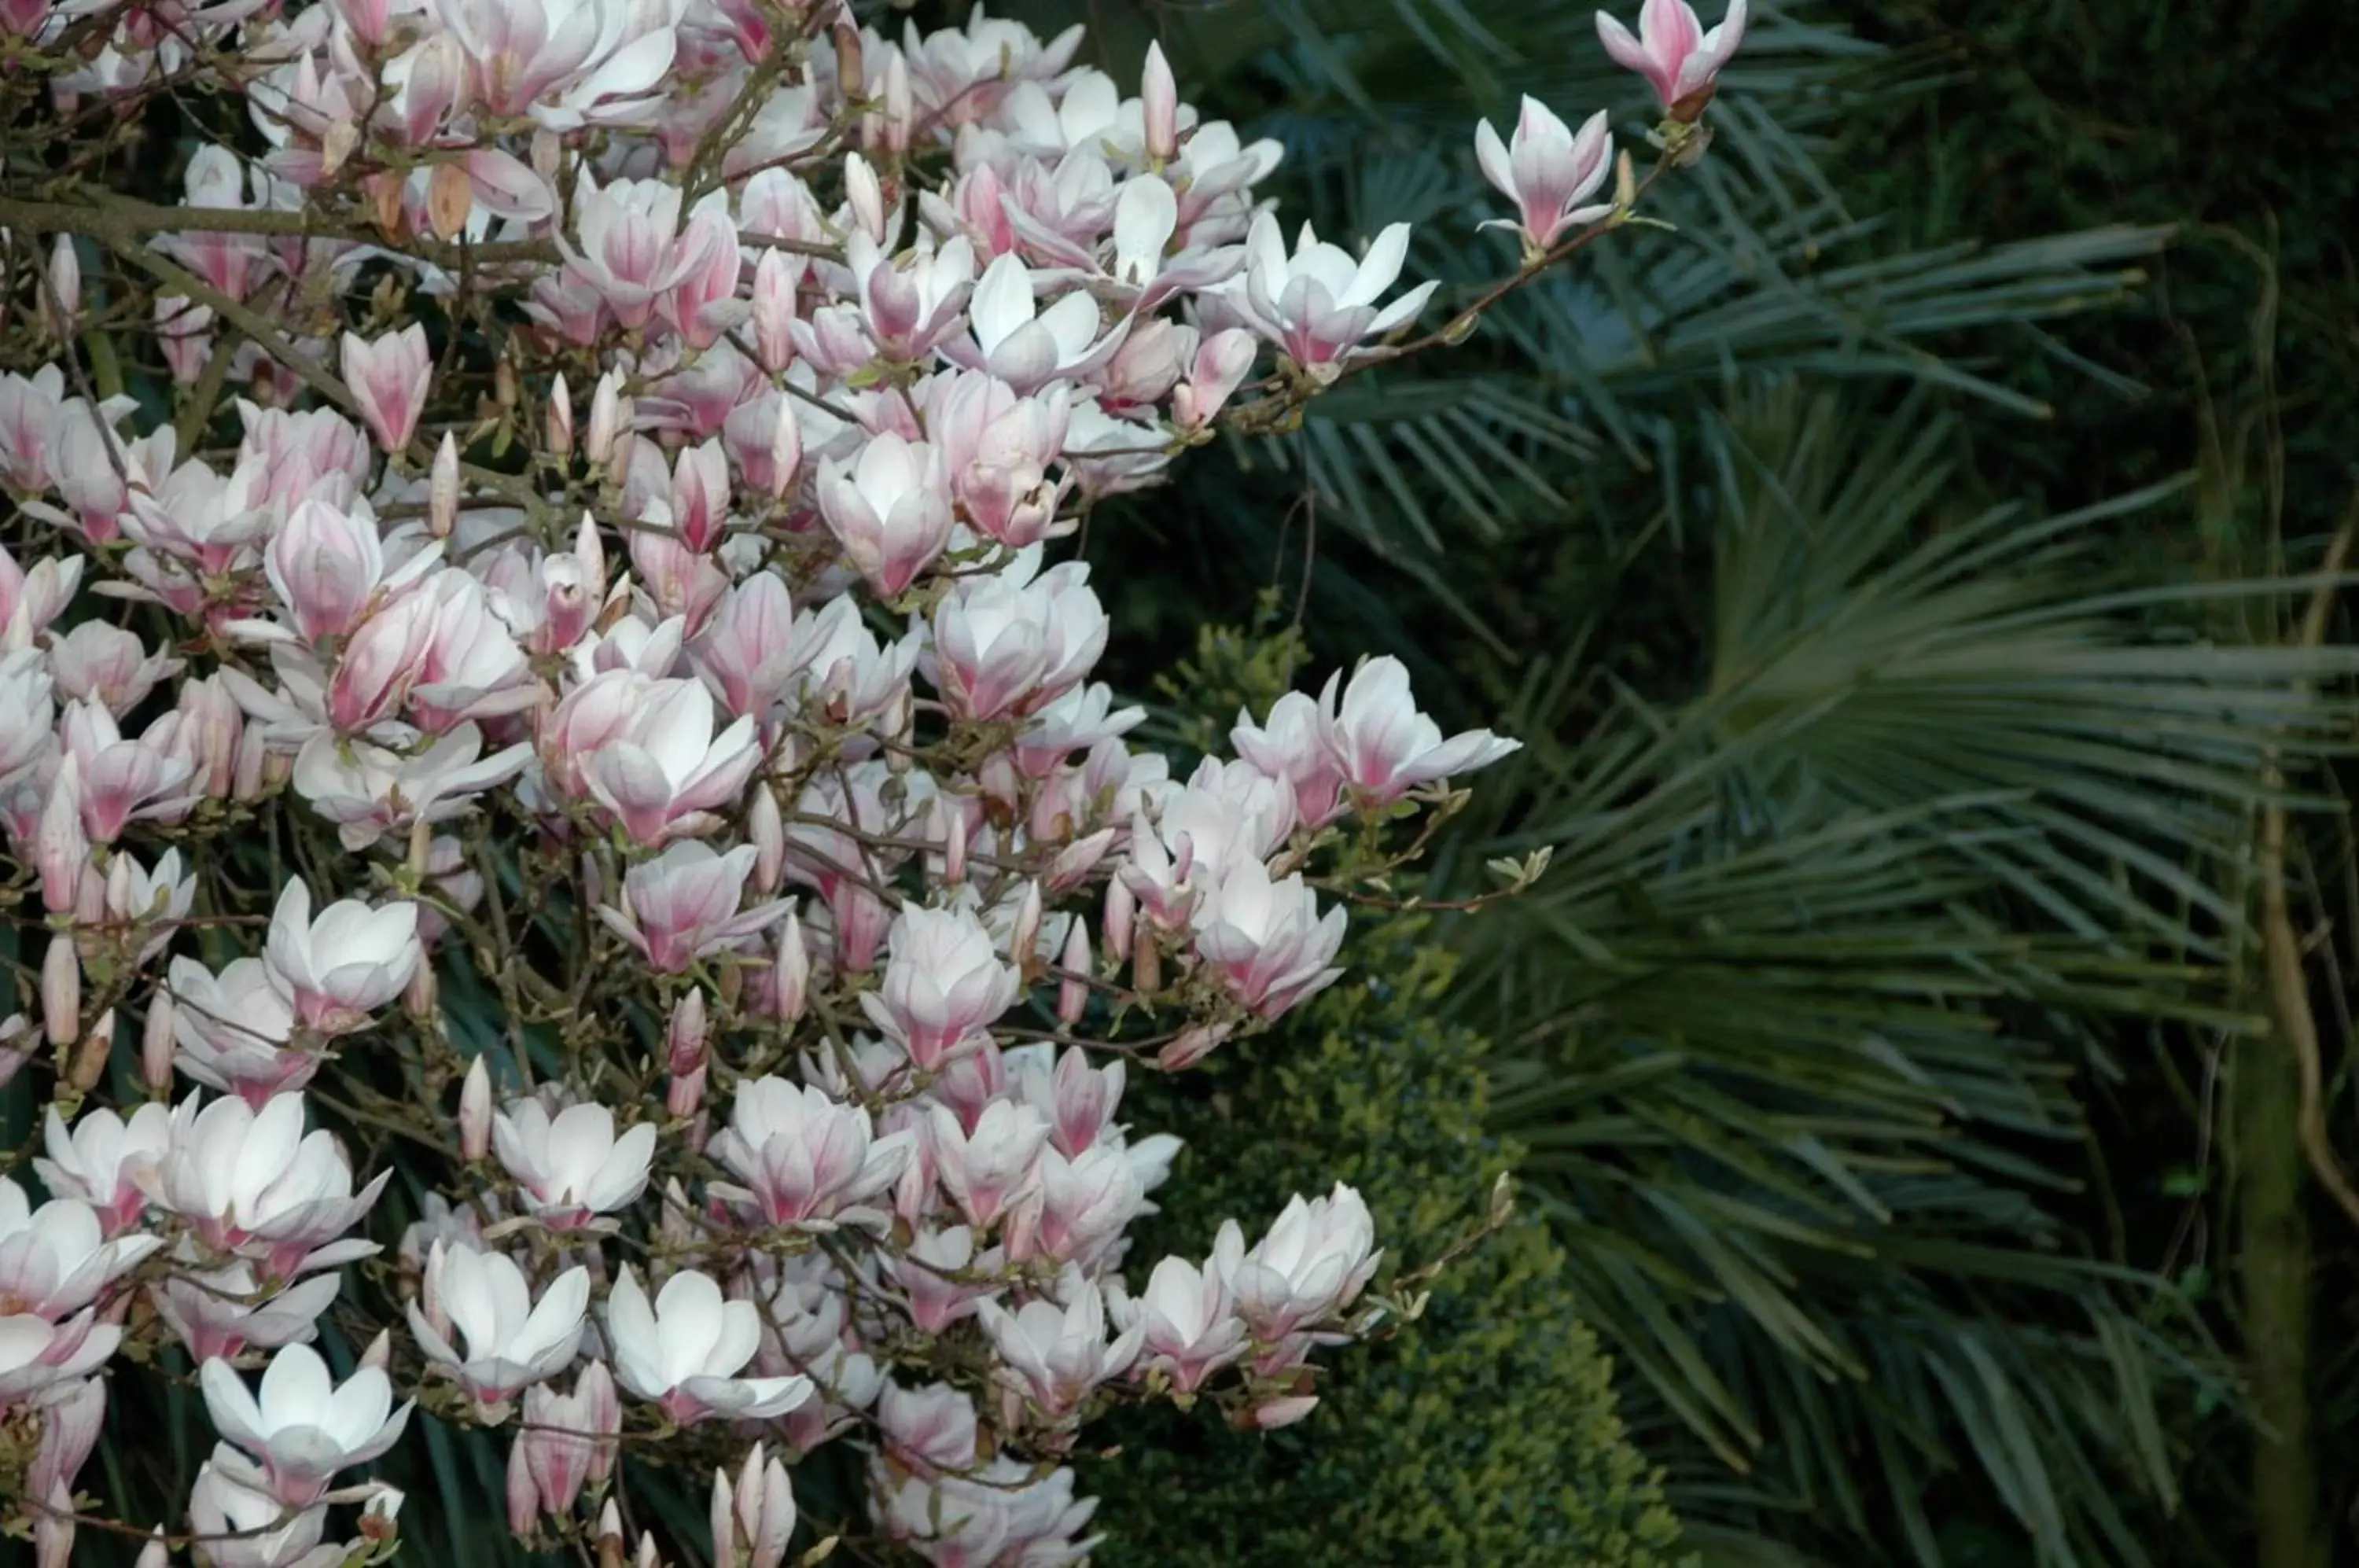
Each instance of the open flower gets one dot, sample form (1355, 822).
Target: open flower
(54, 1261)
(684, 1352)
(484, 1299)
(805, 1159)
(1672, 50)
(1387, 747)
(945, 981)
(253, 1182)
(1057, 1355)
(571, 1167)
(1319, 303)
(301, 1425)
(337, 970)
(1548, 171)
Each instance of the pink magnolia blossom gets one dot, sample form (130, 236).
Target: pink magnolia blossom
(300, 1426)
(475, 1318)
(1188, 1322)
(1548, 171)
(890, 510)
(685, 1351)
(571, 1167)
(99, 1159)
(804, 1158)
(662, 771)
(337, 970)
(1056, 1356)
(389, 379)
(234, 1031)
(1319, 303)
(1387, 747)
(683, 904)
(1672, 50)
(568, 1441)
(1266, 939)
(943, 983)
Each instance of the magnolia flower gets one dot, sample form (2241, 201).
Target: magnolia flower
(930, 1429)
(1190, 1327)
(1319, 303)
(389, 379)
(804, 1158)
(1266, 939)
(55, 1259)
(1297, 744)
(302, 1427)
(752, 1520)
(571, 1167)
(1313, 1262)
(934, 1298)
(337, 970)
(512, 1342)
(567, 1441)
(29, 598)
(1386, 748)
(1022, 345)
(233, 1031)
(245, 1527)
(683, 905)
(1056, 1356)
(1008, 642)
(371, 791)
(1077, 1206)
(38, 1357)
(663, 772)
(890, 510)
(685, 1351)
(1672, 51)
(943, 983)
(100, 663)
(1547, 172)
(222, 1312)
(253, 1182)
(99, 1161)
(988, 1169)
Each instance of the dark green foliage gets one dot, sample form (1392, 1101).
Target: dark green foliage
(1485, 1434)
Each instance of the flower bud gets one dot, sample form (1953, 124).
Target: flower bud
(450, 198)
(1024, 941)
(605, 415)
(62, 297)
(1074, 993)
(785, 451)
(1283, 1413)
(60, 848)
(62, 991)
(379, 1355)
(766, 831)
(156, 1043)
(1121, 911)
(560, 419)
(792, 983)
(442, 489)
(684, 1035)
(155, 1554)
(867, 195)
(1159, 100)
(475, 1113)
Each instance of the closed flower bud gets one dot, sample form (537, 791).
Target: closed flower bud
(560, 419)
(442, 489)
(475, 1113)
(156, 1043)
(62, 991)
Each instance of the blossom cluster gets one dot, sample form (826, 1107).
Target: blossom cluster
(587, 686)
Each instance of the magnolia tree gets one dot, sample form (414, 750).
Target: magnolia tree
(676, 825)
